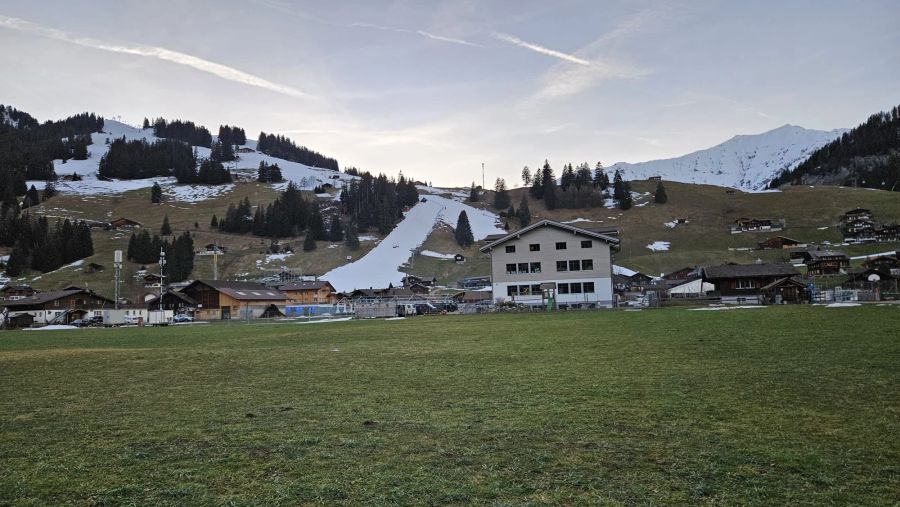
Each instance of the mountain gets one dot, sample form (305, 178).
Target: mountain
(747, 162)
(867, 156)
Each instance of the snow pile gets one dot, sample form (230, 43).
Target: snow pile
(576, 220)
(672, 224)
(437, 255)
(55, 327)
(841, 305)
(380, 267)
(620, 270)
(747, 162)
(659, 246)
(275, 257)
(196, 193)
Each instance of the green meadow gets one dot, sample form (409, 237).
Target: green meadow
(771, 406)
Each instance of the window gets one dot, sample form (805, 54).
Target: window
(523, 267)
(575, 288)
(510, 269)
(588, 287)
(744, 284)
(534, 247)
(524, 290)
(562, 288)
(512, 290)
(562, 266)
(561, 245)
(574, 265)
(510, 248)
(535, 267)
(536, 289)
(587, 243)
(587, 264)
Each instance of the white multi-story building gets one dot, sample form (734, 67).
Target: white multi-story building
(551, 262)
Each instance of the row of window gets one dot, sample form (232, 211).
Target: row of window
(560, 245)
(522, 268)
(561, 288)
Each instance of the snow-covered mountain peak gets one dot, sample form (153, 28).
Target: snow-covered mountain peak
(748, 162)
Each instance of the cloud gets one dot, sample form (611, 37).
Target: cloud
(216, 69)
(422, 33)
(540, 49)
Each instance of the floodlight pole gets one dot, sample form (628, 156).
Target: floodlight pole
(162, 263)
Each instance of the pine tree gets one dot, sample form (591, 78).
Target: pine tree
(526, 176)
(146, 124)
(18, 260)
(156, 193)
(336, 233)
(601, 180)
(214, 223)
(548, 180)
(537, 184)
(166, 229)
(463, 232)
(660, 196)
(352, 237)
(33, 196)
(501, 196)
(524, 213)
(49, 190)
(473, 194)
(309, 243)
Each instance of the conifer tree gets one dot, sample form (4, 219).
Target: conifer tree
(526, 176)
(165, 229)
(309, 243)
(548, 181)
(156, 193)
(352, 237)
(463, 232)
(336, 232)
(473, 193)
(49, 190)
(660, 196)
(524, 213)
(214, 223)
(601, 180)
(501, 196)
(33, 196)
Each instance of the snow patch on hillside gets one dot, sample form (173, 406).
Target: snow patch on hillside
(747, 162)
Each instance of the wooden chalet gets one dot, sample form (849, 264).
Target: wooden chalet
(887, 233)
(59, 306)
(124, 223)
(475, 282)
(784, 290)
(755, 225)
(681, 275)
(780, 242)
(16, 292)
(888, 262)
(151, 280)
(825, 262)
(744, 283)
(93, 267)
(310, 292)
(222, 299)
(174, 300)
(411, 280)
(880, 280)
(857, 214)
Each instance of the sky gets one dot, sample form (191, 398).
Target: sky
(436, 89)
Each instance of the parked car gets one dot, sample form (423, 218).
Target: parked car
(78, 323)
(181, 317)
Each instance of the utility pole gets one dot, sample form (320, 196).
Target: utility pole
(117, 264)
(482, 177)
(216, 260)
(162, 277)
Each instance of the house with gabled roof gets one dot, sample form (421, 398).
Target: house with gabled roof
(309, 292)
(58, 306)
(552, 262)
(746, 283)
(224, 299)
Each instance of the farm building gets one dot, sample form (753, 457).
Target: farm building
(780, 242)
(220, 299)
(57, 307)
(679, 275)
(576, 262)
(16, 292)
(744, 283)
(825, 262)
(317, 292)
(692, 289)
(124, 223)
(176, 301)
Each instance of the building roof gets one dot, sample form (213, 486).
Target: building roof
(174, 293)
(783, 281)
(607, 236)
(748, 271)
(244, 291)
(816, 254)
(310, 285)
(47, 297)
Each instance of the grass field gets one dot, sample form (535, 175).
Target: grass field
(768, 406)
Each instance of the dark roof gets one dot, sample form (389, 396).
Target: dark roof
(46, 297)
(180, 295)
(783, 281)
(243, 291)
(314, 285)
(607, 236)
(825, 253)
(748, 271)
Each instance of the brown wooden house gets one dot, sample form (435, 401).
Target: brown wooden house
(780, 242)
(744, 283)
(317, 292)
(15, 292)
(221, 299)
(124, 223)
(59, 306)
(825, 262)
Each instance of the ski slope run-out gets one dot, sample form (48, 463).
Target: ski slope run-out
(381, 266)
(303, 176)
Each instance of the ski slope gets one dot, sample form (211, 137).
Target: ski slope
(746, 162)
(381, 266)
(303, 176)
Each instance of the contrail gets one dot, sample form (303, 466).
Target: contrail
(216, 69)
(540, 49)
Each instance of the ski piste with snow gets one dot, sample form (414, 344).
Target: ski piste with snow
(745, 162)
